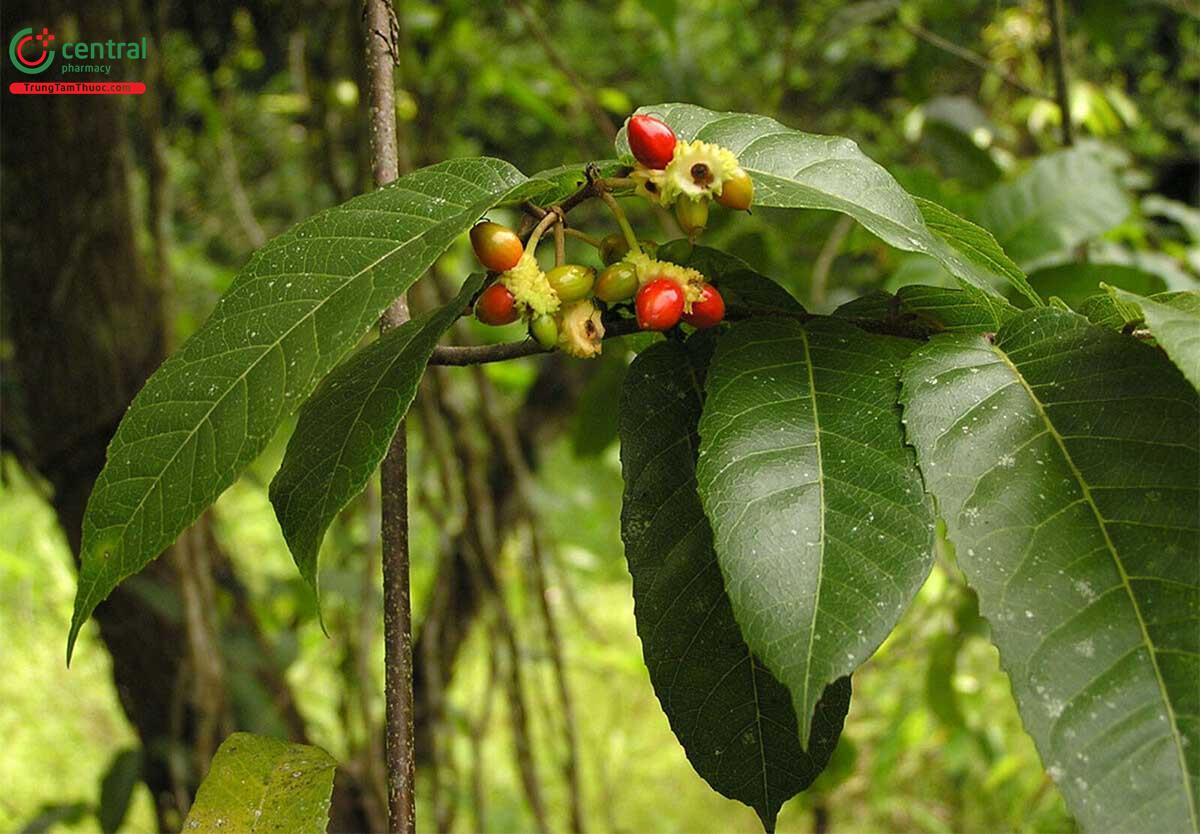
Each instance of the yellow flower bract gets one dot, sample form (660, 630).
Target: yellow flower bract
(529, 286)
(698, 170)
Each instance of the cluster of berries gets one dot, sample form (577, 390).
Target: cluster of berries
(564, 306)
(686, 174)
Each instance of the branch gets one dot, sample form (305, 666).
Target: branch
(593, 107)
(1058, 32)
(826, 257)
(971, 57)
(461, 355)
(399, 748)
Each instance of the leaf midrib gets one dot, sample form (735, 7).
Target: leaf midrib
(1124, 575)
(812, 630)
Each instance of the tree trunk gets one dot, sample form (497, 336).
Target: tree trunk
(88, 326)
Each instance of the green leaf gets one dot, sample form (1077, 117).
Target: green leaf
(1074, 283)
(1063, 200)
(924, 311)
(980, 248)
(744, 290)
(346, 426)
(957, 154)
(116, 789)
(564, 180)
(258, 784)
(734, 720)
(1103, 309)
(822, 527)
(1065, 460)
(1174, 321)
(792, 169)
(298, 306)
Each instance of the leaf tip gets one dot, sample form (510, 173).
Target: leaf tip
(72, 635)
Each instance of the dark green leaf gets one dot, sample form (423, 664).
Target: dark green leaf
(298, 306)
(116, 789)
(1105, 310)
(1063, 200)
(792, 169)
(346, 426)
(734, 720)
(926, 310)
(1174, 321)
(957, 154)
(259, 784)
(822, 527)
(1076, 282)
(1065, 460)
(978, 246)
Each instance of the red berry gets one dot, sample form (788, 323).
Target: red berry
(651, 140)
(497, 247)
(659, 304)
(708, 311)
(496, 306)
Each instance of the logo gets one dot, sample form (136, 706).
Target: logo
(24, 56)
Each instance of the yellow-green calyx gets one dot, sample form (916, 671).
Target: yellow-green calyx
(689, 279)
(580, 330)
(529, 287)
(697, 171)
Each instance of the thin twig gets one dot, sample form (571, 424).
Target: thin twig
(560, 245)
(459, 355)
(590, 240)
(601, 119)
(1058, 33)
(826, 257)
(622, 221)
(380, 28)
(971, 57)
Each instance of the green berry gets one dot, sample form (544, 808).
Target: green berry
(616, 283)
(692, 215)
(544, 330)
(612, 248)
(571, 282)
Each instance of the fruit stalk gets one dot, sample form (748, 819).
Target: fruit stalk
(622, 221)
